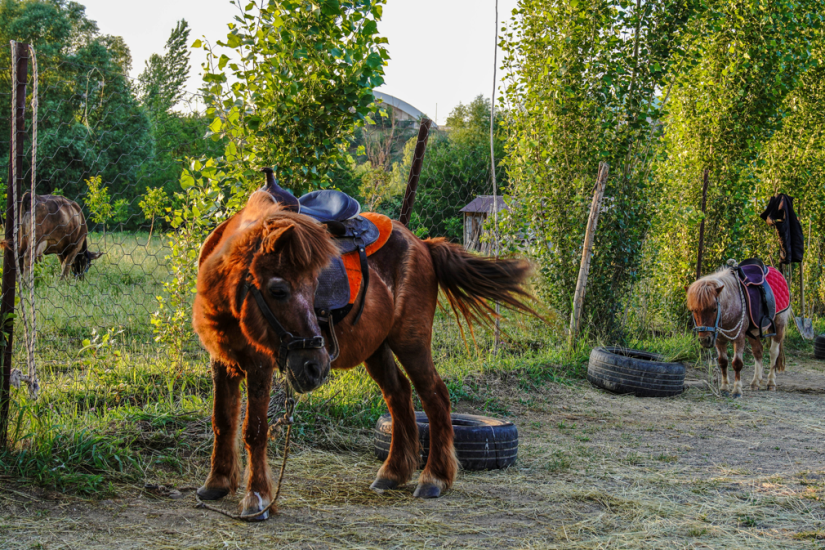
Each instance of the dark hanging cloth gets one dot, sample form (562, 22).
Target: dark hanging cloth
(780, 214)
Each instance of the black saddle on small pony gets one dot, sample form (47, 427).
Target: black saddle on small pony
(759, 298)
(339, 213)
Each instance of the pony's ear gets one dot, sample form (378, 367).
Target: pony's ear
(718, 286)
(276, 236)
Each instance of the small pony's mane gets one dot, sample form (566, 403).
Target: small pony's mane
(301, 242)
(702, 294)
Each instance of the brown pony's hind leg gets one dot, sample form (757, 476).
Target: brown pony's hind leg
(442, 465)
(255, 435)
(225, 473)
(403, 458)
(738, 363)
(756, 350)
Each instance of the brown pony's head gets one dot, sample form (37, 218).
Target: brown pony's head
(703, 303)
(286, 252)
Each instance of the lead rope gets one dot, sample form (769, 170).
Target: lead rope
(738, 327)
(287, 419)
(29, 333)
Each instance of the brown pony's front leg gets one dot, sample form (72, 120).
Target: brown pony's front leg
(442, 465)
(225, 473)
(403, 458)
(255, 434)
(722, 359)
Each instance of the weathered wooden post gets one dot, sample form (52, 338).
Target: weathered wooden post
(415, 171)
(19, 57)
(587, 252)
(702, 225)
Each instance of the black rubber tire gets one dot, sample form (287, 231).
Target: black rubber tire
(623, 371)
(819, 346)
(481, 442)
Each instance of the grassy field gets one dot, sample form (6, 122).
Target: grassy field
(119, 424)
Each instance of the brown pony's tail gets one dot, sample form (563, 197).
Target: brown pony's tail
(780, 359)
(469, 281)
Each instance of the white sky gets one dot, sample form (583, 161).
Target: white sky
(442, 50)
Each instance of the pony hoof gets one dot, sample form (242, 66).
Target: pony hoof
(380, 485)
(755, 387)
(771, 387)
(736, 395)
(427, 490)
(205, 493)
(254, 510)
(724, 393)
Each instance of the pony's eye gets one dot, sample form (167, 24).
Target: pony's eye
(278, 289)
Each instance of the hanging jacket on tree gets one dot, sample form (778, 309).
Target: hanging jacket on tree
(780, 214)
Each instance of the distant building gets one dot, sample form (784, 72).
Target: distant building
(402, 110)
(475, 215)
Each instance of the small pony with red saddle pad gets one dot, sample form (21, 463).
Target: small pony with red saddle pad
(306, 284)
(753, 301)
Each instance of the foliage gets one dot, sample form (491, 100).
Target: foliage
(199, 208)
(298, 84)
(587, 79)
(98, 201)
(161, 82)
(749, 109)
(153, 204)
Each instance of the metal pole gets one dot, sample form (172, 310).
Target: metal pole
(702, 225)
(415, 171)
(18, 135)
(497, 342)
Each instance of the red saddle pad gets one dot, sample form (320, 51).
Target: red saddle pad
(779, 286)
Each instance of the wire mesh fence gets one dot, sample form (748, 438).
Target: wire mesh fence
(106, 147)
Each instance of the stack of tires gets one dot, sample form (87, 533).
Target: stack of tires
(819, 347)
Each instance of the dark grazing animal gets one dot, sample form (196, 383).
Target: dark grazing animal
(277, 254)
(60, 228)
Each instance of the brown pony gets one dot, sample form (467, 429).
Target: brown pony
(278, 255)
(722, 290)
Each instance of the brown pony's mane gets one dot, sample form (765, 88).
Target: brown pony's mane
(265, 228)
(702, 294)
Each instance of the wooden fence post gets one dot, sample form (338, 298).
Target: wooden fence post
(587, 252)
(20, 56)
(702, 225)
(415, 171)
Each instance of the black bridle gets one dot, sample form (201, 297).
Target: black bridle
(289, 342)
(715, 328)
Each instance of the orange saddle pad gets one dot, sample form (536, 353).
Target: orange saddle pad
(351, 261)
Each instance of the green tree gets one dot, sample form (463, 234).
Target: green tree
(749, 109)
(297, 85)
(589, 84)
(98, 201)
(153, 204)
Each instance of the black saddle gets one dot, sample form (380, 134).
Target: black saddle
(759, 298)
(339, 212)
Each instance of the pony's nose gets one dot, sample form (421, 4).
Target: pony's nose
(313, 370)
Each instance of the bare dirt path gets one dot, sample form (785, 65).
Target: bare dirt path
(594, 471)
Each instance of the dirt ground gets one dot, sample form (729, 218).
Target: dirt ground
(594, 471)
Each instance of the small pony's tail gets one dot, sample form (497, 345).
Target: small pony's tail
(469, 281)
(780, 359)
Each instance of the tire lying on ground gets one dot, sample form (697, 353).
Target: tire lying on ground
(481, 442)
(819, 347)
(622, 370)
